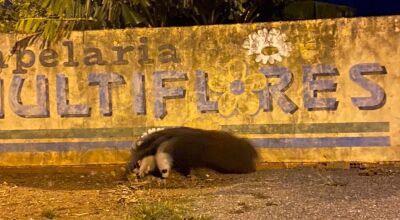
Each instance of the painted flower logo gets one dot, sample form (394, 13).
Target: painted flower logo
(269, 46)
(237, 89)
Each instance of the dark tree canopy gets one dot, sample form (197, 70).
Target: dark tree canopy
(51, 20)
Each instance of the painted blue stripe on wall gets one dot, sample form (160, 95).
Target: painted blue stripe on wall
(63, 146)
(378, 141)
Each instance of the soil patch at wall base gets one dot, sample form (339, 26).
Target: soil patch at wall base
(306, 193)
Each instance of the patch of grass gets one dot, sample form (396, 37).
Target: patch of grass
(242, 208)
(161, 211)
(329, 181)
(49, 213)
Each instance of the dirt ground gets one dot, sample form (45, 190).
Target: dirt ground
(306, 193)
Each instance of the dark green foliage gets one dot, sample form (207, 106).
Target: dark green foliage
(48, 213)
(11, 11)
(52, 20)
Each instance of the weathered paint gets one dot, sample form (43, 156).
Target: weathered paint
(307, 91)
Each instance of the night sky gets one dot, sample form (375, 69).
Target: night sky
(370, 7)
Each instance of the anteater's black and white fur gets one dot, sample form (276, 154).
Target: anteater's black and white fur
(185, 148)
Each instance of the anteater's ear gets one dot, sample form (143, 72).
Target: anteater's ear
(139, 142)
(134, 147)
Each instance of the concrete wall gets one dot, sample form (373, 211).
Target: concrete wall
(308, 91)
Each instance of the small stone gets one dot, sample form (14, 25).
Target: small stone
(132, 200)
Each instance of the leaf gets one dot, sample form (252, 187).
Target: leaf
(20, 25)
(145, 3)
(45, 3)
(130, 16)
(57, 7)
(88, 6)
(28, 25)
